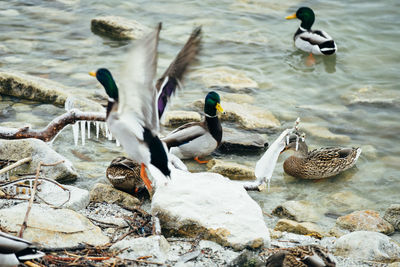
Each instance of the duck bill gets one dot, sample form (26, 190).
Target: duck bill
(92, 73)
(293, 16)
(286, 148)
(219, 107)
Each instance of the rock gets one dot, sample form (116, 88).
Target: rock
(224, 76)
(237, 98)
(237, 141)
(372, 97)
(323, 132)
(108, 194)
(337, 232)
(304, 228)
(248, 116)
(299, 211)
(179, 117)
(345, 202)
(52, 227)
(78, 200)
(369, 151)
(46, 110)
(232, 170)
(367, 220)
(118, 27)
(155, 246)
(39, 151)
(392, 215)
(43, 90)
(247, 258)
(367, 245)
(211, 205)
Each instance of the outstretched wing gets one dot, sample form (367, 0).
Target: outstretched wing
(137, 100)
(169, 81)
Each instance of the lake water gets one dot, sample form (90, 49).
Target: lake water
(354, 94)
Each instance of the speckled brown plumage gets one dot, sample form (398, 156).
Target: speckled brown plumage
(319, 163)
(124, 174)
(302, 256)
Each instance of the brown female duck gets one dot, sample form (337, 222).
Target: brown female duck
(318, 163)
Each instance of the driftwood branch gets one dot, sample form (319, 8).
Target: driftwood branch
(56, 125)
(15, 165)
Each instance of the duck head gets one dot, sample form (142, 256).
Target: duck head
(298, 144)
(212, 104)
(106, 79)
(306, 15)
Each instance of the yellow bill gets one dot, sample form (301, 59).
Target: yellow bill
(92, 73)
(293, 16)
(219, 108)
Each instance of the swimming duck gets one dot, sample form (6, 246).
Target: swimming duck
(134, 118)
(197, 139)
(302, 256)
(318, 163)
(316, 42)
(14, 250)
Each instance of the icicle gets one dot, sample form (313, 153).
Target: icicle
(75, 131)
(97, 129)
(297, 142)
(88, 129)
(109, 136)
(83, 132)
(106, 129)
(117, 142)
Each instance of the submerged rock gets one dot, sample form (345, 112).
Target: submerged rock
(323, 132)
(179, 117)
(392, 215)
(108, 194)
(237, 141)
(367, 220)
(224, 77)
(211, 205)
(232, 170)
(118, 27)
(39, 151)
(345, 201)
(372, 97)
(304, 228)
(301, 211)
(52, 227)
(367, 245)
(237, 98)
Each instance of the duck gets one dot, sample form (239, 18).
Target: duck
(316, 42)
(134, 109)
(15, 250)
(302, 256)
(198, 139)
(318, 163)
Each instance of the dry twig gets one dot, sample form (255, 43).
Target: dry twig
(15, 165)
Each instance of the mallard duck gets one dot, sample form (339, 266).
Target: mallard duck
(318, 163)
(316, 42)
(197, 139)
(302, 256)
(133, 112)
(14, 250)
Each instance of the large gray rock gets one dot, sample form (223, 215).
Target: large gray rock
(300, 211)
(237, 141)
(392, 215)
(43, 90)
(367, 245)
(232, 170)
(211, 205)
(368, 220)
(39, 151)
(108, 194)
(52, 227)
(118, 27)
(78, 199)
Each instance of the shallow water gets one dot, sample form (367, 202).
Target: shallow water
(52, 39)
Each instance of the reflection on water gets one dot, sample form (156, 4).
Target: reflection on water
(354, 94)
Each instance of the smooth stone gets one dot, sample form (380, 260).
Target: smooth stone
(20, 107)
(300, 211)
(40, 152)
(108, 194)
(304, 228)
(238, 141)
(44, 90)
(118, 27)
(337, 232)
(372, 96)
(392, 215)
(211, 205)
(369, 151)
(179, 117)
(79, 198)
(323, 132)
(345, 201)
(325, 108)
(52, 227)
(237, 98)
(155, 246)
(365, 220)
(47, 110)
(366, 245)
(224, 76)
(248, 116)
(9, 13)
(27, 118)
(232, 170)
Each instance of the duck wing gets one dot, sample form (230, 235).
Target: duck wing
(315, 37)
(329, 153)
(137, 99)
(185, 134)
(169, 81)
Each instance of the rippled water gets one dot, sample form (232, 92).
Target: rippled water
(52, 39)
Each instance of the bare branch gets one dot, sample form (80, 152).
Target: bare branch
(15, 165)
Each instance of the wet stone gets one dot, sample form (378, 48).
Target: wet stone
(367, 220)
(300, 211)
(118, 27)
(232, 170)
(108, 194)
(238, 141)
(180, 117)
(304, 228)
(392, 215)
